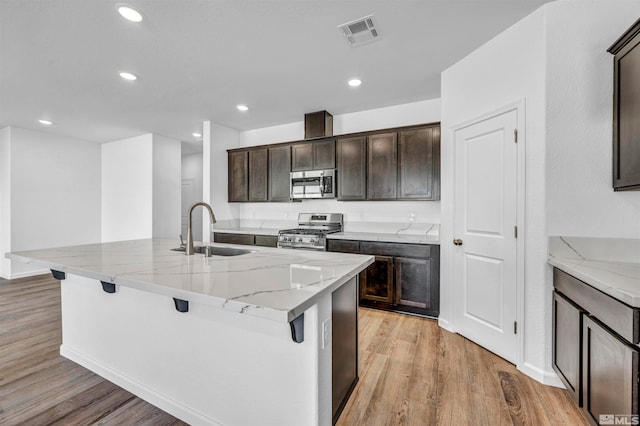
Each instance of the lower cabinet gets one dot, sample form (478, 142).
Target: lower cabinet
(404, 277)
(593, 350)
(245, 239)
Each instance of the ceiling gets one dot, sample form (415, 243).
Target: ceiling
(197, 59)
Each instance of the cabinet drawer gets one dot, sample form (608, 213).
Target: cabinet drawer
(266, 240)
(619, 317)
(343, 246)
(246, 239)
(394, 249)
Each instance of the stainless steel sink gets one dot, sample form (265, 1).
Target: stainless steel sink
(216, 251)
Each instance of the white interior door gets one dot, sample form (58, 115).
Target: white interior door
(485, 235)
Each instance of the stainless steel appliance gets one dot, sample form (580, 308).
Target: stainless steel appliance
(311, 231)
(313, 184)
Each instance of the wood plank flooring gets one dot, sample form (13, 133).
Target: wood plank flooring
(411, 373)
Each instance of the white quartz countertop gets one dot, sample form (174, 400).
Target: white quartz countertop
(607, 264)
(276, 284)
(387, 238)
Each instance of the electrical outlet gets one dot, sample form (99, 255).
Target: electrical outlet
(326, 333)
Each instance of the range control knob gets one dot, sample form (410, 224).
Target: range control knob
(299, 239)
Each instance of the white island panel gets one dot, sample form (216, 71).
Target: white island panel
(206, 366)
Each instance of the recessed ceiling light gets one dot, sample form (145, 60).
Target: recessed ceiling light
(129, 13)
(128, 76)
(196, 135)
(45, 122)
(355, 82)
(242, 108)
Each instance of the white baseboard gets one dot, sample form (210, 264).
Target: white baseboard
(444, 323)
(26, 274)
(545, 377)
(167, 404)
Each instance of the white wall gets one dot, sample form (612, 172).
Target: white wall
(507, 69)
(127, 189)
(192, 170)
(580, 200)
(55, 193)
(167, 187)
(5, 201)
(382, 118)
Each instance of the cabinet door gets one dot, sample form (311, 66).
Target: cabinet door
(244, 239)
(626, 109)
(567, 345)
(238, 176)
(324, 154)
(610, 376)
(279, 169)
(352, 168)
(377, 280)
(266, 240)
(412, 282)
(419, 164)
(301, 157)
(258, 161)
(382, 167)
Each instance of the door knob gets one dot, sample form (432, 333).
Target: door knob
(457, 241)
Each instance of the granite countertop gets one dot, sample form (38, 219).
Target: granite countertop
(610, 265)
(276, 284)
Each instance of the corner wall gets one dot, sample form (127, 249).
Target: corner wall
(54, 193)
(167, 187)
(5, 201)
(506, 70)
(580, 199)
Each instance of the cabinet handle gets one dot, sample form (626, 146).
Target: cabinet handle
(457, 241)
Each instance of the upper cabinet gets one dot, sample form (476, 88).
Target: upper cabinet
(313, 156)
(382, 167)
(626, 110)
(419, 164)
(352, 168)
(279, 168)
(248, 175)
(393, 164)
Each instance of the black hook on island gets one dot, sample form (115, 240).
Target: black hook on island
(297, 328)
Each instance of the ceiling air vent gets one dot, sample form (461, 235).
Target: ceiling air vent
(360, 31)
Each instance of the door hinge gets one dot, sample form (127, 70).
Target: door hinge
(515, 135)
(515, 232)
(515, 327)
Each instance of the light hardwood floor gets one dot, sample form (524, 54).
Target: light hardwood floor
(411, 373)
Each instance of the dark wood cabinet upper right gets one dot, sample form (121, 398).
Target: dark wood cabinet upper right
(419, 164)
(626, 110)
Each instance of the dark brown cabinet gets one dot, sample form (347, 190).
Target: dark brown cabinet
(248, 178)
(258, 177)
(595, 351)
(376, 282)
(382, 167)
(313, 156)
(351, 154)
(245, 239)
(419, 164)
(404, 277)
(567, 344)
(238, 176)
(610, 365)
(279, 168)
(626, 110)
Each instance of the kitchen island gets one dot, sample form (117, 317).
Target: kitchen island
(227, 340)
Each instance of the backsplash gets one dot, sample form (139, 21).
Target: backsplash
(623, 250)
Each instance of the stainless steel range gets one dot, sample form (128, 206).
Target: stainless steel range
(312, 230)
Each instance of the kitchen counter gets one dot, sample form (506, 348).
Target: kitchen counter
(387, 238)
(276, 284)
(608, 264)
(202, 337)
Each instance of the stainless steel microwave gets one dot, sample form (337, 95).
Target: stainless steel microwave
(313, 184)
